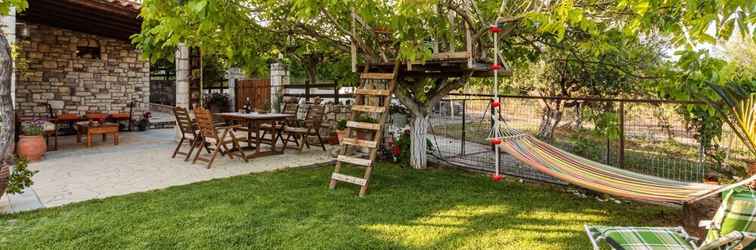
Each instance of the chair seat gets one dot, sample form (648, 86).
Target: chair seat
(268, 126)
(296, 130)
(642, 237)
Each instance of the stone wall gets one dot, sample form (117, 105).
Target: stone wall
(51, 70)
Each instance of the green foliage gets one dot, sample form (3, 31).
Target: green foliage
(33, 128)
(366, 118)
(738, 109)
(21, 177)
(341, 124)
(20, 5)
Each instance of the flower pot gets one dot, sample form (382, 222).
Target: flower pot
(340, 134)
(32, 147)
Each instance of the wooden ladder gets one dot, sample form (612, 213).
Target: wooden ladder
(369, 100)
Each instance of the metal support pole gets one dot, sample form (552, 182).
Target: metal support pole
(464, 127)
(622, 135)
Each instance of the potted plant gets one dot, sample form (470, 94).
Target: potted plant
(340, 129)
(737, 108)
(217, 102)
(144, 123)
(31, 143)
(17, 181)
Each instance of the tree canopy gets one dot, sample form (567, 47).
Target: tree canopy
(249, 32)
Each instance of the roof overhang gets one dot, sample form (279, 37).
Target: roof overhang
(110, 18)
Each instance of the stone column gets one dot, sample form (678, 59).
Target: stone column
(279, 76)
(183, 74)
(233, 75)
(8, 24)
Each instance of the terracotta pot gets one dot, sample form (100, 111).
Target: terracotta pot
(32, 147)
(4, 175)
(340, 134)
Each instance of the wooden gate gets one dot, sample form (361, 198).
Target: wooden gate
(258, 92)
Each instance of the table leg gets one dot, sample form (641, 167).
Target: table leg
(257, 136)
(89, 140)
(104, 137)
(115, 139)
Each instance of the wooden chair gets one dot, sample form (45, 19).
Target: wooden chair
(276, 129)
(219, 143)
(189, 135)
(309, 127)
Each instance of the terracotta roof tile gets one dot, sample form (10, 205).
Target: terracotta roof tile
(127, 4)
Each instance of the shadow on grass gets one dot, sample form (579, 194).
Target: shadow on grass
(293, 209)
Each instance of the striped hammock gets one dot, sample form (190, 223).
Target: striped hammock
(604, 178)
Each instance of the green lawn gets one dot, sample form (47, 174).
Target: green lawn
(294, 209)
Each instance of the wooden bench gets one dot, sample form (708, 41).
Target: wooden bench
(90, 131)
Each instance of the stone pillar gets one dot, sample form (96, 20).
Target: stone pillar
(279, 76)
(8, 24)
(183, 74)
(233, 75)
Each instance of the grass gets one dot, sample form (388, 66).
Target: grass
(293, 209)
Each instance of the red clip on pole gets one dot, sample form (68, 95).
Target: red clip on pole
(496, 141)
(496, 178)
(495, 66)
(494, 29)
(495, 103)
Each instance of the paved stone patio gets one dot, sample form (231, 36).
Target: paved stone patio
(141, 162)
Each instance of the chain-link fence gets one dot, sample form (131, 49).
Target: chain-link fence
(648, 137)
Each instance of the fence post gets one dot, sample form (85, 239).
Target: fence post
(622, 134)
(307, 90)
(464, 120)
(336, 91)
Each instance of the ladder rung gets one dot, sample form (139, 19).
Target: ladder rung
(354, 160)
(350, 179)
(360, 143)
(377, 92)
(377, 76)
(367, 108)
(364, 125)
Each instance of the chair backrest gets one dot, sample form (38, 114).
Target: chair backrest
(290, 108)
(737, 213)
(96, 116)
(205, 123)
(183, 120)
(315, 113)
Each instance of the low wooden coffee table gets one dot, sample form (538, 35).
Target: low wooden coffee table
(103, 129)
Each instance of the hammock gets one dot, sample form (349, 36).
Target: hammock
(604, 178)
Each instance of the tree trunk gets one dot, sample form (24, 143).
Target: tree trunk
(419, 146)
(549, 122)
(7, 119)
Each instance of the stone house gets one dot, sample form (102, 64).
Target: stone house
(76, 56)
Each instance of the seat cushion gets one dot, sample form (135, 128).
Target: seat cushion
(646, 238)
(737, 213)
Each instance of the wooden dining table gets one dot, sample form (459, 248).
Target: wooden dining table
(253, 123)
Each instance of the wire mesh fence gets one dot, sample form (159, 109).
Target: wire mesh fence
(648, 137)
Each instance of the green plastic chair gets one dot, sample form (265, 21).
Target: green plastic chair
(733, 227)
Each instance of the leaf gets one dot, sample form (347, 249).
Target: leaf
(198, 6)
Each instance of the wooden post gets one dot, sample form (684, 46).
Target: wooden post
(468, 44)
(462, 146)
(622, 135)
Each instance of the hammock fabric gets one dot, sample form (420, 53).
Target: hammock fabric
(603, 178)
